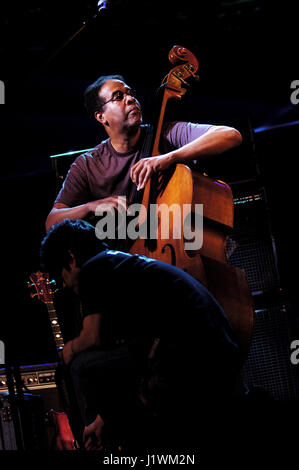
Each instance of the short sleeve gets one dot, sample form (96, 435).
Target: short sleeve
(89, 292)
(177, 134)
(75, 189)
(96, 286)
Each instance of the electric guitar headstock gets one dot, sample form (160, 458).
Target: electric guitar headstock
(43, 286)
(45, 293)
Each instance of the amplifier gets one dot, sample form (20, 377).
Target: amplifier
(34, 377)
(22, 423)
(41, 395)
(8, 439)
(38, 380)
(251, 245)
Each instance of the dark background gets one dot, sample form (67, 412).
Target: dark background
(247, 61)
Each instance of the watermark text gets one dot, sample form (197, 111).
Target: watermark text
(295, 354)
(295, 94)
(160, 221)
(2, 92)
(2, 352)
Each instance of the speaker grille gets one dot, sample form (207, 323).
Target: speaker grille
(268, 364)
(256, 257)
(251, 246)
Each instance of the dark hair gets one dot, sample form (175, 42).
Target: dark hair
(76, 236)
(92, 102)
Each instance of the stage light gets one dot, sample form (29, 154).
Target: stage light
(102, 4)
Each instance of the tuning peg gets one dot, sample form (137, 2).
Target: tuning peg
(54, 287)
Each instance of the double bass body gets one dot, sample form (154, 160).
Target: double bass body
(180, 187)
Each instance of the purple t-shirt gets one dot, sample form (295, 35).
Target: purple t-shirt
(104, 172)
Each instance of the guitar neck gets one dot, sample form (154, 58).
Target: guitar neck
(55, 325)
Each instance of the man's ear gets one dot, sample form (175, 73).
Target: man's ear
(72, 262)
(99, 115)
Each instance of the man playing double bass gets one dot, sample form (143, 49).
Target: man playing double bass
(107, 174)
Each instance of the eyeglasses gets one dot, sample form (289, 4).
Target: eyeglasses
(118, 95)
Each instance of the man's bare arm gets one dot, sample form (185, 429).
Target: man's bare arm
(61, 211)
(216, 140)
(90, 335)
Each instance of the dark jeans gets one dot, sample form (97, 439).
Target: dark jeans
(181, 384)
(106, 380)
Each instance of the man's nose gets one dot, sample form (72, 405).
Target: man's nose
(130, 98)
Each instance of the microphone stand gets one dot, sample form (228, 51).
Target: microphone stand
(102, 5)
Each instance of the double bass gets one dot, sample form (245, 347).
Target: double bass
(181, 187)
